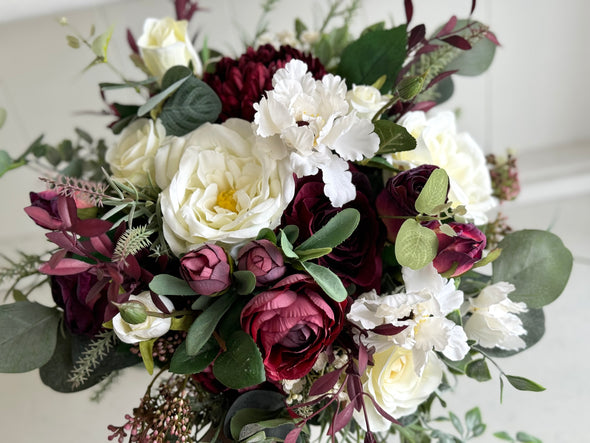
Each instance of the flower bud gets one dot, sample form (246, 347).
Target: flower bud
(263, 259)
(410, 87)
(207, 270)
(133, 312)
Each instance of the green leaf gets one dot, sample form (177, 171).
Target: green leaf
(147, 348)
(502, 435)
(338, 229)
(434, 193)
(311, 254)
(160, 97)
(204, 325)
(83, 135)
(164, 284)
(193, 104)
(476, 60)
(100, 44)
(478, 430)
(286, 246)
(5, 162)
(380, 163)
(245, 282)
(472, 418)
(327, 280)
(456, 423)
(267, 234)
(247, 416)
(28, 334)
(182, 363)
(526, 438)
(524, 384)
(241, 365)
(536, 263)
(478, 370)
(415, 245)
(376, 53)
(393, 137)
(73, 41)
(2, 117)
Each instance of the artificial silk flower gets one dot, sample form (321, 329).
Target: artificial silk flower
(494, 322)
(420, 313)
(314, 120)
(366, 100)
(151, 327)
(439, 143)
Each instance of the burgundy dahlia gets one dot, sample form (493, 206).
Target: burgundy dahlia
(241, 83)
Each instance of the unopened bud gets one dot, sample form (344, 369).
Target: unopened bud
(410, 87)
(133, 312)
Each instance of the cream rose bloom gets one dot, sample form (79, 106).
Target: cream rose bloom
(439, 143)
(165, 43)
(366, 100)
(395, 386)
(152, 327)
(226, 189)
(132, 158)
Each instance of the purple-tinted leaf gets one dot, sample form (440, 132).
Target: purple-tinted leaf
(159, 304)
(66, 241)
(91, 227)
(293, 435)
(66, 208)
(66, 266)
(341, 419)
(423, 106)
(417, 34)
(132, 267)
(426, 49)
(185, 9)
(325, 382)
(457, 41)
(132, 42)
(370, 438)
(354, 388)
(57, 257)
(409, 10)
(439, 77)
(388, 329)
(473, 2)
(448, 27)
(102, 244)
(492, 37)
(94, 294)
(42, 217)
(381, 410)
(363, 358)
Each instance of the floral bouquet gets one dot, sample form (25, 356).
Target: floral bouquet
(287, 239)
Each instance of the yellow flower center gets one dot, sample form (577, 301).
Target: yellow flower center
(226, 200)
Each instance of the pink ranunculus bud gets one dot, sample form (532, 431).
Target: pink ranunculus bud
(462, 250)
(263, 259)
(291, 324)
(206, 269)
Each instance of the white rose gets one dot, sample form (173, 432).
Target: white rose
(395, 386)
(152, 327)
(493, 321)
(165, 43)
(132, 158)
(366, 100)
(226, 188)
(438, 143)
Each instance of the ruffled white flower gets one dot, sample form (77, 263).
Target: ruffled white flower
(493, 322)
(152, 327)
(438, 143)
(422, 310)
(396, 386)
(132, 158)
(165, 43)
(366, 100)
(313, 119)
(226, 189)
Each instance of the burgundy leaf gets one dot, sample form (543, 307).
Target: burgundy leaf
(473, 2)
(388, 329)
(369, 438)
(382, 411)
(416, 35)
(409, 10)
(102, 244)
(341, 419)
(448, 27)
(132, 268)
(440, 77)
(159, 303)
(355, 390)
(293, 435)
(426, 49)
(423, 106)
(66, 241)
(57, 257)
(325, 382)
(94, 294)
(363, 358)
(66, 266)
(492, 37)
(66, 208)
(457, 41)
(91, 227)
(132, 42)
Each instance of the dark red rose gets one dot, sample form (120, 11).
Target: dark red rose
(462, 250)
(399, 195)
(358, 259)
(81, 315)
(291, 324)
(206, 270)
(263, 259)
(241, 83)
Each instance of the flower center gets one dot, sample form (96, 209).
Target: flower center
(226, 200)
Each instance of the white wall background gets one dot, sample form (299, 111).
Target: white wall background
(533, 99)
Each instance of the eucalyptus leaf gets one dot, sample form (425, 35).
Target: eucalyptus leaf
(475, 61)
(434, 193)
(258, 399)
(241, 365)
(393, 137)
(28, 334)
(415, 245)
(524, 384)
(245, 282)
(312, 254)
(327, 280)
(287, 247)
(165, 284)
(536, 263)
(160, 97)
(100, 44)
(478, 370)
(338, 229)
(182, 363)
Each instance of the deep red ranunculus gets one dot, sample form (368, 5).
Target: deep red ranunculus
(241, 83)
(358, 259)
(206, 270)
(462, 250)
(399, 195)
(291, 324)
(264, 259)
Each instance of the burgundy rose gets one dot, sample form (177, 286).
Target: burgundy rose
(82, 316)
(358, 259)
(241, 83)
(462, 250)
(206, 270)
(291, 324)
(399, 197)
(263, 259)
